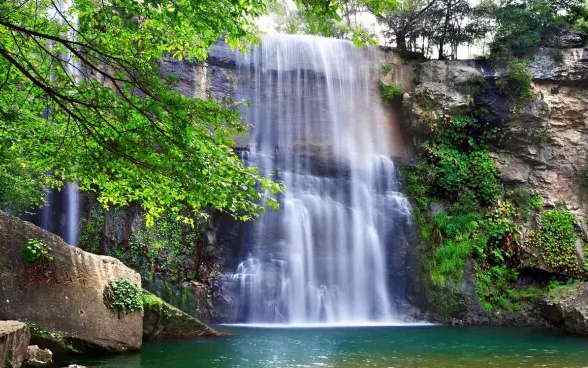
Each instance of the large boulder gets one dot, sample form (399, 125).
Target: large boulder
(14, 339)
(163, 321)
(567, 306)
(62, 293)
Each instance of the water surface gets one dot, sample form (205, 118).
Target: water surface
(378, 347)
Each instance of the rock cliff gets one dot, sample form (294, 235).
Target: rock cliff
(542, 149)
(547, 139)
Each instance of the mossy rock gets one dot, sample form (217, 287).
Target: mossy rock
(163, 321)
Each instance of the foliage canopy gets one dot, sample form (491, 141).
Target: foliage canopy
(82, 99)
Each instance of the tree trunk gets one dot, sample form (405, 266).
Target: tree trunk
(401, 43)
(449, 4)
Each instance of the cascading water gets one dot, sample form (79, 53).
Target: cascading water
(327, 255)
(72, 213)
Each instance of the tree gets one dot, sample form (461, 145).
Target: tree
(454, 22)
(522, 25)
(414, 23)
(82, 100)
(333, 18)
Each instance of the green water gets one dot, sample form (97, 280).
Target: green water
(385, 347)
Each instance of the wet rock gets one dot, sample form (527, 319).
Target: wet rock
(37, 357)
(14, 339)
(451, 73)
(64, 292)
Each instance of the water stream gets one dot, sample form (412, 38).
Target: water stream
(332, 253)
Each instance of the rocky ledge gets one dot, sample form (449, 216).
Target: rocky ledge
(568, 307)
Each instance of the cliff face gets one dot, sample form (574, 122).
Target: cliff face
(545, 142)
(542, 149)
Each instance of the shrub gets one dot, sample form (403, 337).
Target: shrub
(555, 240)
(536, 201)
(386, 68)
(35, 251)
(171, 250)
(451, 168)
(457, 236)
(123, 297)
(493, 287)
(390, 92)
(521, 26)
(483, 176)
(518, 80)
(457, 171)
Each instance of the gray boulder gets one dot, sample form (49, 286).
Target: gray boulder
(63, 295)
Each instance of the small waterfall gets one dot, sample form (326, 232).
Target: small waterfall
(72, 213)
(68, 211)
(332, 253)
(61, 213)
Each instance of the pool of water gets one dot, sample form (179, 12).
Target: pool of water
(362, 347)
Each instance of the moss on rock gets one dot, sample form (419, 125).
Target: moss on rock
(164, 321)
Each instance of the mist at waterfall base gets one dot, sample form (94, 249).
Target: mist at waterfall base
(334, 253)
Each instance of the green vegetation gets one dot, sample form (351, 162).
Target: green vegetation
(158, 149)
(327, 18)
(35, 251)
(123, 297)
(438, 23)
(476, 221)
(555, 242)
(56, 341)
(151, 302)
(171, 249)
(391, 93)
(517, 82)
(579, 17)
(522, 26)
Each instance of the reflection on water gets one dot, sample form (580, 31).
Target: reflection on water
(386, 347)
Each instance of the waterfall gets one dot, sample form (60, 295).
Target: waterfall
(69, 209)
(72, 213)
(328, 254)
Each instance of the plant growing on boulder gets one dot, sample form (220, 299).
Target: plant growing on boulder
(390, 92)
(123, 297)
(35, 251)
